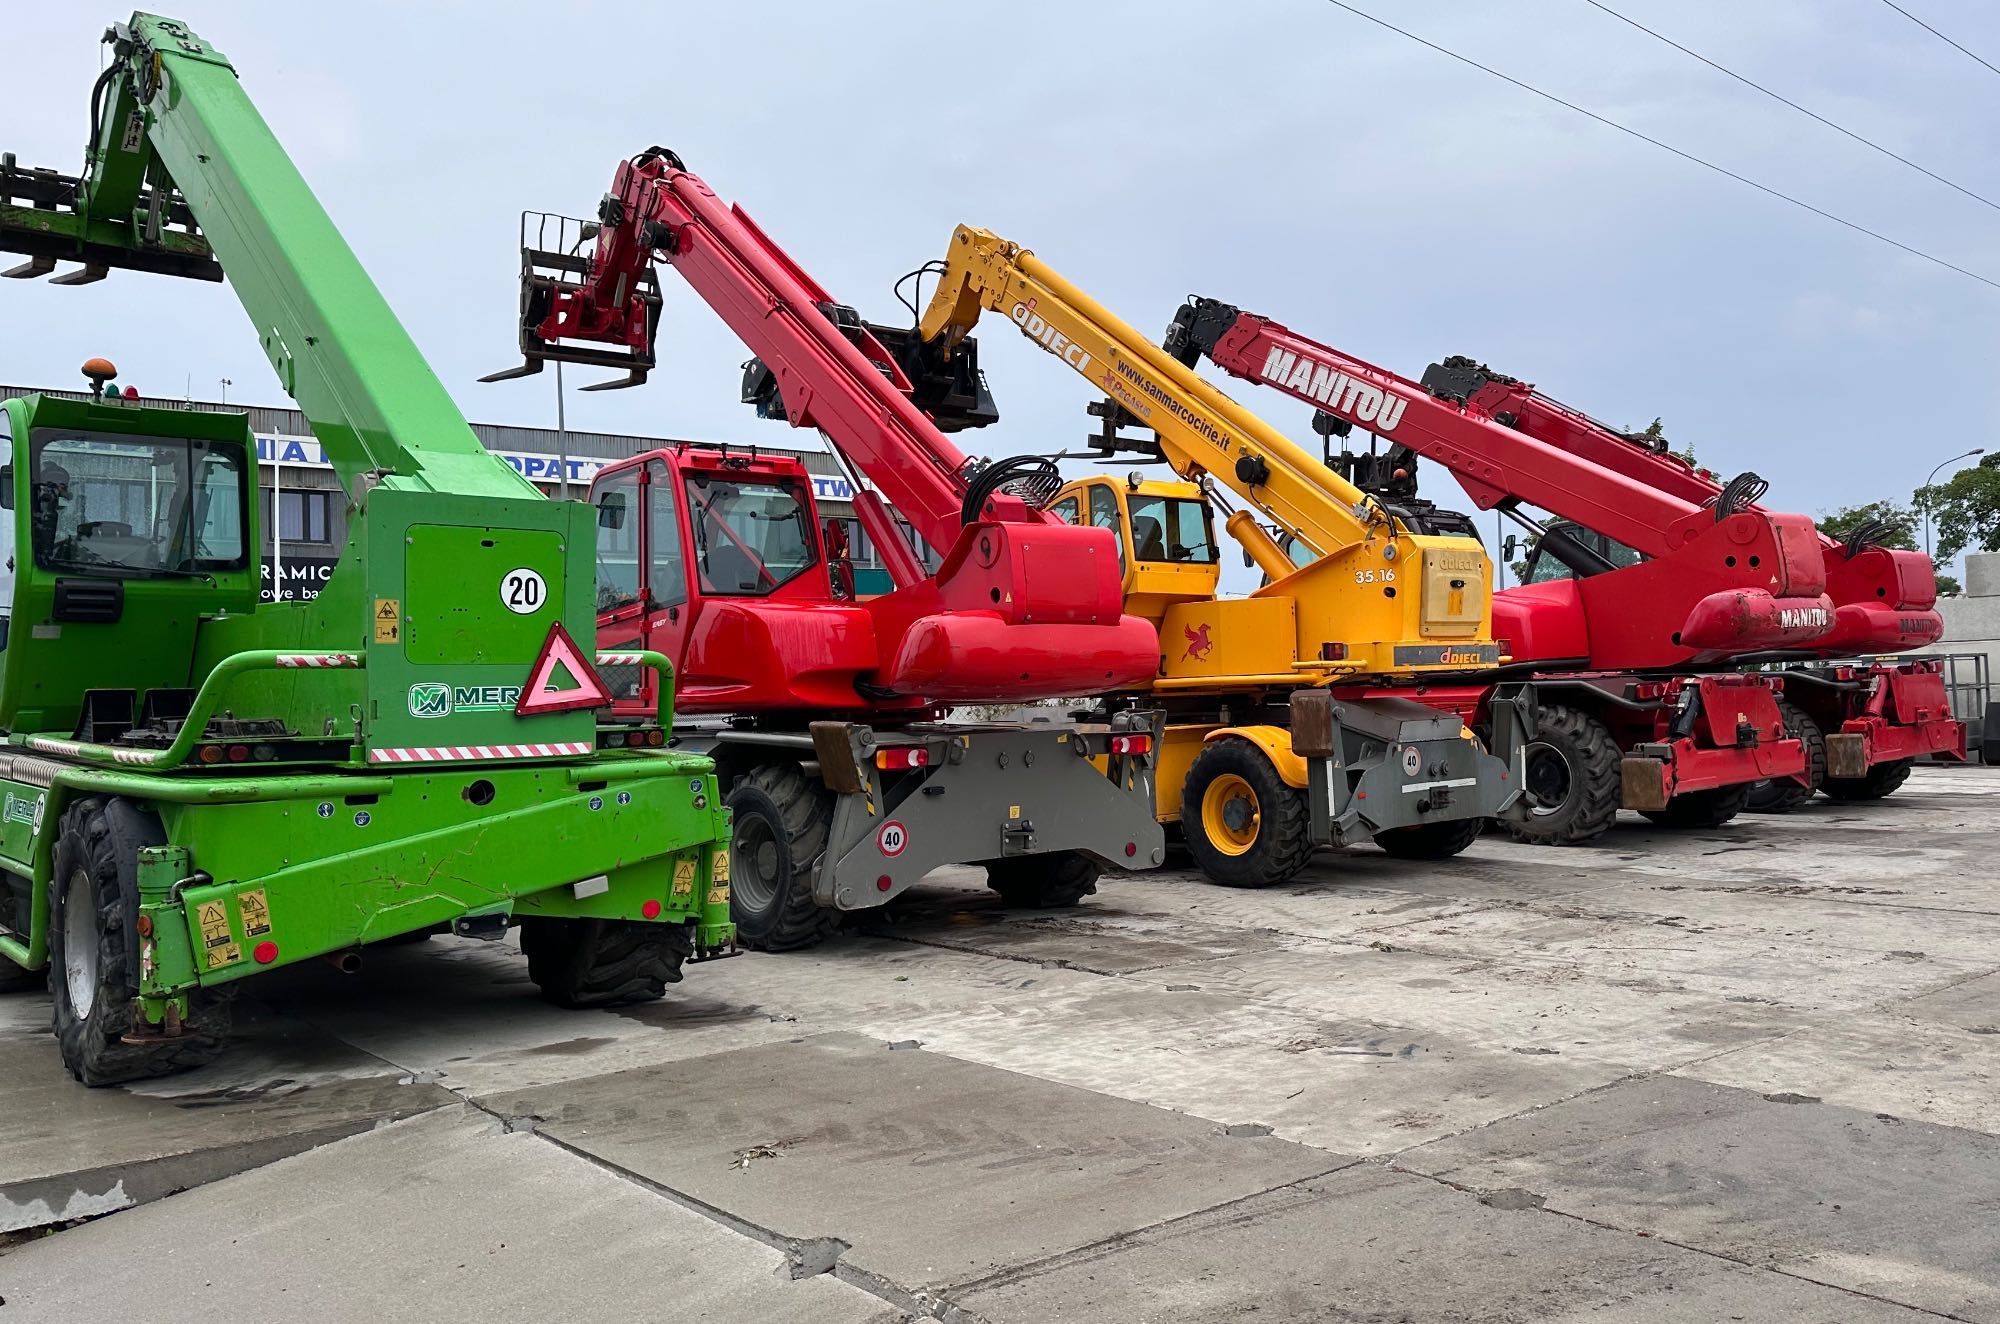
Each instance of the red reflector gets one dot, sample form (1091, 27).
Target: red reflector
(239, 753)
(145, 926)
(1332, 652)
(902, 757)
(264, 953)
(651, 910)
(1131, 849)
(1131, 744)
(636, 738)
(884, 883)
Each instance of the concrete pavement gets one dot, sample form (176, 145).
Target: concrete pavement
(1740, 1073)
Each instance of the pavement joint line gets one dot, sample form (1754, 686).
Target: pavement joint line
(793, 1248)
(1622, 1230)
(1015, 1273)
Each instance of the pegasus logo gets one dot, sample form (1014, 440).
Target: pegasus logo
(1199, 643)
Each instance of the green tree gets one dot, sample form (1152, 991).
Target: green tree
(1965, 509)
(1900, 523)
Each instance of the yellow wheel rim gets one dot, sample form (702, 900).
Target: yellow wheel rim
(1230, 814)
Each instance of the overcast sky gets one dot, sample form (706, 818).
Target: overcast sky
(1279, 154)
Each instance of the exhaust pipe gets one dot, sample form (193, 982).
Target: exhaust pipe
(347, 962)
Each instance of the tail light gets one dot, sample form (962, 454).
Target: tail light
(1332, 652)
(902, 758)
(1132, 744)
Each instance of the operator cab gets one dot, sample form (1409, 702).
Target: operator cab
(131, 526)
(1165, 535)
(1567, 550)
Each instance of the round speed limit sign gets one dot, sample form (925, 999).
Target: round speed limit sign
(523, 591)
(892, 838)
(1413, 760)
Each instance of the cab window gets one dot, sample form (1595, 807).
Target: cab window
(618, 540)
(749, 538)
(666, 572)
(1173, 529)
(136, 507)
(1068, 510)
(1104, 515)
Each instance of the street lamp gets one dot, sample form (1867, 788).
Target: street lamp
(1976, 450)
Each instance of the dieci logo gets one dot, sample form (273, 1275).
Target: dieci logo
(431, 699)
(1055, 342)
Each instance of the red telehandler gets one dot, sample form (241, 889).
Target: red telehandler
(824, 713)
(1873, 717)
(1630, 658)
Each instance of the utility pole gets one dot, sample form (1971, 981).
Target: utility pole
(1976, 450)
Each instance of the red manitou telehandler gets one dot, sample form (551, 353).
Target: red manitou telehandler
(1865, 718)
(824, 712)
(1632, 655)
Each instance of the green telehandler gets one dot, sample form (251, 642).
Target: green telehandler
(196, 787)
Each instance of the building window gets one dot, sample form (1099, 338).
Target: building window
(305, 516)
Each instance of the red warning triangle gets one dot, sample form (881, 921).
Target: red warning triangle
(541, 695)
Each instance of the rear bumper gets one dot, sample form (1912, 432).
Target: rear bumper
(1653, 774)
(989, 793)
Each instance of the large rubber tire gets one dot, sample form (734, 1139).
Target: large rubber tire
(1044, 882)
(1431, 841)
(94, 952)
(603, 962)
(1573, 786)
(1882, 779)
(1702, 809)
(782, 819)
(1272, 843)
(1779, 795)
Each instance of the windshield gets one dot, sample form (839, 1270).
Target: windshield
(1546, 567)
(105, 503)
(1170, 529)
(749, 538)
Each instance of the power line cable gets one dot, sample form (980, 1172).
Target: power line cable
(1666, 147)
(1751, 83)
(1935, 33)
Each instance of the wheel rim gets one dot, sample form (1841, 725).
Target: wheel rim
(1547, 783)
(80, 952)
(1231, 815)
(756, 863)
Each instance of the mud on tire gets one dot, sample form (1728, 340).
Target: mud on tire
(1778, 794)
(1702, 809)
(603, 962)
(1043, 882)
(1280, 843)
(1573, 787)
(94, 952)
(782, 819)
(1882, 779)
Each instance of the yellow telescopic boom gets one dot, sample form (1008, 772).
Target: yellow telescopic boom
(1377, 600)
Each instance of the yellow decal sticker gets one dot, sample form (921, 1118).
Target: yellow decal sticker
(1013, 811)
(256, 913)
(388, 620)
(684, 877)
(1062, 737)
(720, 873)
(718, 896)
(218, 946)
